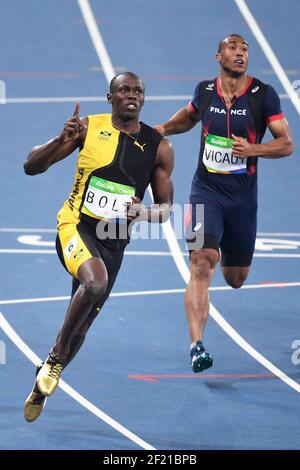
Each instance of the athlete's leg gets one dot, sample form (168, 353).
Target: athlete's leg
(204, 226)
(79, 338)
(75, 285)
(202, 267)
(113, 260)
(92, 275)
(82, 258)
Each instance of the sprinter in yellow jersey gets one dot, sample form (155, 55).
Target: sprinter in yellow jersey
(119, 156)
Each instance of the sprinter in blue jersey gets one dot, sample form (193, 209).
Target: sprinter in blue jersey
(235, 110)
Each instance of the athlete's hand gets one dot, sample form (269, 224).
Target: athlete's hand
(241, 147)
(72, 128)
(161, 129)
(136, 210)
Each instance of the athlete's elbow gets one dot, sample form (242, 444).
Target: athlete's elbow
(166, 213)
(28, 170)
(31, 169)
(289, 148)
(285, 150)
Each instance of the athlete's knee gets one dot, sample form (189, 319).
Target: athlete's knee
(202, 263)
(95, 288)
(235, 283)
(235, 279)
(93, 278)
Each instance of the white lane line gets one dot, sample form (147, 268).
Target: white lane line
(22, 346)
(33, 300)
(234, 335)
(275, 255)
(250, 350)
(90, 99)
(171, 238)
(95, 99)
(113, 294)
(257, 286)
(52, 252)
(152, 292)
(23, 251)
(266, 48)
(27, 230)
(96, 38)
(53, 230)
(137, 253)
(147, 253)
(278, 234)
(89, 18)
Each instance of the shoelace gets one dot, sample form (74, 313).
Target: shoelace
(197, 350)
(37, 398)
(55, 370)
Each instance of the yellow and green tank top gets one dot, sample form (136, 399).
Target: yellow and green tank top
(111, 168)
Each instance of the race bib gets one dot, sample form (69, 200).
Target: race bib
(218, 156)
(106, 199)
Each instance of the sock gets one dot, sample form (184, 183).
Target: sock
(198, 344)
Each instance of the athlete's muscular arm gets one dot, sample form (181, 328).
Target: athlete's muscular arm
(161, 183)
(184, 120)
(73, 135)
(280, 146)
(162, 188)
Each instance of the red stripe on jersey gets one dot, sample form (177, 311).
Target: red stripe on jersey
(192, 108)
(275, 117)
(252, 139)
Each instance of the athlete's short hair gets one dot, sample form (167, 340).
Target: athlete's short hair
(235, 35)
(130, 74)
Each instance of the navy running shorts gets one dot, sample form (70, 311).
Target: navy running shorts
(227, 223)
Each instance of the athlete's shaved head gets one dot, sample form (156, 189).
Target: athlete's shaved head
(230, 38)
(116, 78)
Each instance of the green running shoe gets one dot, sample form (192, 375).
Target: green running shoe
(200, 359)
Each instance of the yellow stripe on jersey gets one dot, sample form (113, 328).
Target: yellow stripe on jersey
(99, 151)
(75, 252)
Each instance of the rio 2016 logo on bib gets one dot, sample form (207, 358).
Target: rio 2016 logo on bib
(106, 199)
(218, 156)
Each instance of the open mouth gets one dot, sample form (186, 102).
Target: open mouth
(131, 106)
(239, 62)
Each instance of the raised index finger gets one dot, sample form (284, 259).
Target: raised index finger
(77, 109)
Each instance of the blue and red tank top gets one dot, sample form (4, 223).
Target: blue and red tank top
(216, 163)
